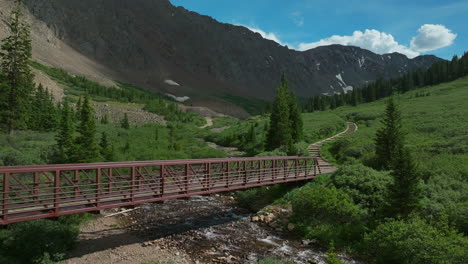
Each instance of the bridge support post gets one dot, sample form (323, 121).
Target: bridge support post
(296, 168)
(132, 183)
(98, 186)
(162, 173)
(187, 177)
(76, 180)
(208, 174)
(36, 187)
(244, 167)
(227, 174)
(285, 168)
(273, 170)
(6, 195)
(56, 192)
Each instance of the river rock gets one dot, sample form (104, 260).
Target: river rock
(269, 217)
(255, 219)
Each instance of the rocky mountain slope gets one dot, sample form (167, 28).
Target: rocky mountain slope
(160, 47)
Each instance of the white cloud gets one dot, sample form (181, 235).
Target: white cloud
(432, 37)
(370, 39)
(297, 18)
(265, 35)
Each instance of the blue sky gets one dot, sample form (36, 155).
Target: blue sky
(411, 27)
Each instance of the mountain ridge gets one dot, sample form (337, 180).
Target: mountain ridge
(154, 44)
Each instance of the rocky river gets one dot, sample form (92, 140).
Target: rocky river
(211, 229)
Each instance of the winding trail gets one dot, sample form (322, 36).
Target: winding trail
(209, 122)
(314, 149)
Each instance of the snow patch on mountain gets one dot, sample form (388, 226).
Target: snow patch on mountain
(178, 98)
(361, 61)
(171, 82)
(346, 88)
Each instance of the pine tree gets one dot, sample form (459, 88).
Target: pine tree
(65, 139)
(389, 139)
(16, 78)
(295, 117)
(106, 150)
(104, 119)
(251, 136)
(405, 191)
(279, 133)
(43, 115)
(124, 123)
(87, 149)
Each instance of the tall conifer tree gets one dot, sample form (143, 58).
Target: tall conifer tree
(16, 79)
(65, 137)
(405, 191)
(389, 139)
(87, 149)
(106, 149)
(295, 119)
(285, 120)
(279, 133)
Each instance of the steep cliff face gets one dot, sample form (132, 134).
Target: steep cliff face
(162, 47)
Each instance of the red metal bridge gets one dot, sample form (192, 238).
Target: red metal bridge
(32, 192)
(42, 191)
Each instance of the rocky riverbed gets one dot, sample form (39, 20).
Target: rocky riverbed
(200, 229)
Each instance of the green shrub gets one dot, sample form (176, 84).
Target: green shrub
(327, 214)
(38, 241)
(255, 199)
(332, 258)
(274, 153)
(14, 157)
(367, 187)
(327, 204)
(414, 241)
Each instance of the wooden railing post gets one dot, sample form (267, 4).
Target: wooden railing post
(6, 195)
(56, 192)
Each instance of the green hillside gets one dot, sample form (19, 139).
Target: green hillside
(435, 120)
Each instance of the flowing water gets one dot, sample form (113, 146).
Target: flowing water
(211, 229)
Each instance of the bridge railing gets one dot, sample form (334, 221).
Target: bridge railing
(33, 192)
